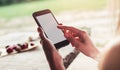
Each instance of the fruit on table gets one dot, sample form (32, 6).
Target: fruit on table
(32, 44)
(9, 50)
(23, 46)
(18, 47)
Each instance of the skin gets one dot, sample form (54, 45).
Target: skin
(53, 57)
(111, 58)
(81, 41)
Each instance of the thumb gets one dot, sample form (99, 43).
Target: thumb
(41, 33)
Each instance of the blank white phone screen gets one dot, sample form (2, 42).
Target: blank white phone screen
(49, 25)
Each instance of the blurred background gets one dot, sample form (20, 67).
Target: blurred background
(100, 18)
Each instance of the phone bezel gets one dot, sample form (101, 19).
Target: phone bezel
(46, 11)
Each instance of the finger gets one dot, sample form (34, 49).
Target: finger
(75, 41)
(70, 38)
(41, 33)
(60, 24)
(69, 28)
(77, 38)
(73, 34)
(65, 31)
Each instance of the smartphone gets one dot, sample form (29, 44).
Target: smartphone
(46, 20)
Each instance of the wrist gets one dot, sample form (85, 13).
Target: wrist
(95, 55)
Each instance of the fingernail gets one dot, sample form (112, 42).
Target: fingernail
(60, 23)
(59, 26)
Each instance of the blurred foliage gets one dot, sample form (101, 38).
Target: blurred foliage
(57, 6)
(8, 2)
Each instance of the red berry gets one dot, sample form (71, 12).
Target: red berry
(24, 46)
(9, 50)
(17, 48)
(32, 44)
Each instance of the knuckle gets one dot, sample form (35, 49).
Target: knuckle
(71, 27)
(84, 33)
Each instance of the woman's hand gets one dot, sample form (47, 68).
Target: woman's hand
(80, 40)
(54, 59)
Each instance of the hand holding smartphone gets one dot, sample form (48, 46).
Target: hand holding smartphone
(46, 20)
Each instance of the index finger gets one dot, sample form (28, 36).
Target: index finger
(69, 28)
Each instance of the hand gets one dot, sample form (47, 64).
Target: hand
(80, 40)
(52, 55)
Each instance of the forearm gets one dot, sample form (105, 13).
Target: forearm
(54, 59)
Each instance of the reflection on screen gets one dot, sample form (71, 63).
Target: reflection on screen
(49, 25)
